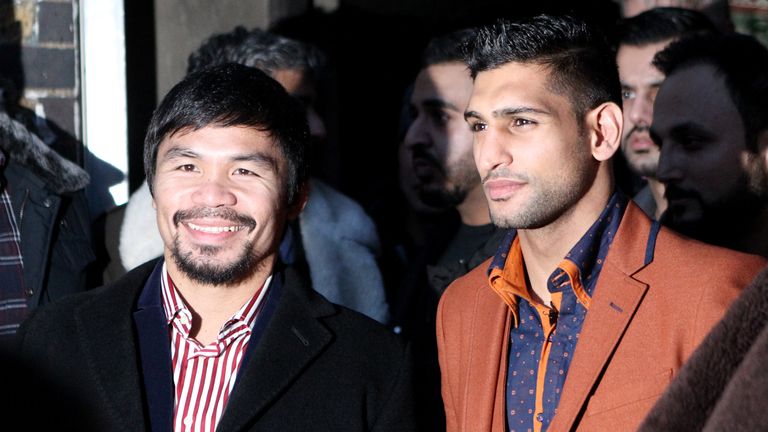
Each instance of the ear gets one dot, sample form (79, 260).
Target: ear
(604, 125)
(299, 201)
(762, 147)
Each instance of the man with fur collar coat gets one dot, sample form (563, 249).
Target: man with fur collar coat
(45, 211)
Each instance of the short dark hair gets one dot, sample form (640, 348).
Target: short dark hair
(582, 65)
(232, 95)
(661, 24)
(446, 48)
(256, 48)
(741, 60)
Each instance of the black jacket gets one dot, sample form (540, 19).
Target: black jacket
(316, 366)
(48, 198)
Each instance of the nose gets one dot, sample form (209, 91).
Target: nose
(670, 169)
(316, 125)
(417, 134)
(641, 110)
(214, 192)
(490, 151)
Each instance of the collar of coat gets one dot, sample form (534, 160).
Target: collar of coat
(24, 148)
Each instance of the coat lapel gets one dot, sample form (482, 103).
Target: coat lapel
(290, 340)
(155, 353)
(617, 296)
(105, 331)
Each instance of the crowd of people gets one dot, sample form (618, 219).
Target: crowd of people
(580, 247)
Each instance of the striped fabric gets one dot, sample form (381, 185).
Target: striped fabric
(204, 376)
(13, 299)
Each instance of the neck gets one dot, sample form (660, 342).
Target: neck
(657, 192)
(213, 305)
(752, 234)
(544, 248)
(473, 210)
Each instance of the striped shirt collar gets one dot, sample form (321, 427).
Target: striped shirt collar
(179, 316)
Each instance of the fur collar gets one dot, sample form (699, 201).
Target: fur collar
(26, 149)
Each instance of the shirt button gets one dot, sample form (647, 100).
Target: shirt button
(30, 292)
(47, 203)
(540, 417)
(188, 421)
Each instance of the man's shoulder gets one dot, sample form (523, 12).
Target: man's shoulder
(471, 289)
(114, 298)
(674, 249)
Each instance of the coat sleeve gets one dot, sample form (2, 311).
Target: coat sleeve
(398, 413)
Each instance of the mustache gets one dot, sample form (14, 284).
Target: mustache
(638, 129)
(418, 152)
(675, 192)
(505, 173)
(219, 213)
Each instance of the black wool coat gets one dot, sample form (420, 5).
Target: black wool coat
(315, 366)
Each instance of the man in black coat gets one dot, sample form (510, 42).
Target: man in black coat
(217, 334)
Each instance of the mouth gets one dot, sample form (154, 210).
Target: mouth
(425, 168)
(213, 224)
(501, 189)
(214, 229)
(640, 142)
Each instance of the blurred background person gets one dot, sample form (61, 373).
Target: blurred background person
(710, 120)
(640, 38)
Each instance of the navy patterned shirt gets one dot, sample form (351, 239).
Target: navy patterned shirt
(543, 337)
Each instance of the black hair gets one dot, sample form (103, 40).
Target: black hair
(741, 60)
(227, 96)
(256, 48)
(581, 63)
(446, 48)
(661, 24)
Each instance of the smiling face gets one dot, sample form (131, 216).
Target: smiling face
(530, 150)
(438, 143)
(220, 196)
(639, 83)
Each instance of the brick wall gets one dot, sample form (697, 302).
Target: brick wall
(38, 45)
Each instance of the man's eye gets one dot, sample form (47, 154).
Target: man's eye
(519, 122)
(477, 127)
(186, 168)
(627, 94)
(243, 171)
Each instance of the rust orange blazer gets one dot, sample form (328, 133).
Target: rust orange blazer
(643, 323)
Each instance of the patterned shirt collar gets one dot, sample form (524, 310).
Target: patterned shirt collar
(582, 263)
(179, 316)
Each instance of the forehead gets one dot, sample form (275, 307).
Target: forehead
(296, 82)
(218, 141)
(445, 80)
(695, 95)
(635, 62)
(516, 85)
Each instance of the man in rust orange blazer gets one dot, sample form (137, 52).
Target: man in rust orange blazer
(589, 308)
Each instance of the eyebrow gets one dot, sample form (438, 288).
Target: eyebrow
(438, 103)
(260, 158)
(681, 131)
(507, 112)
(655, 83)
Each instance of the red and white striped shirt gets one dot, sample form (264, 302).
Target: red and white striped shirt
(204, 376)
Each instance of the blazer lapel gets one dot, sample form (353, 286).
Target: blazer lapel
(617, 295)
(486, 369)
(155, 353)
(106, 333)
(290, 340)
